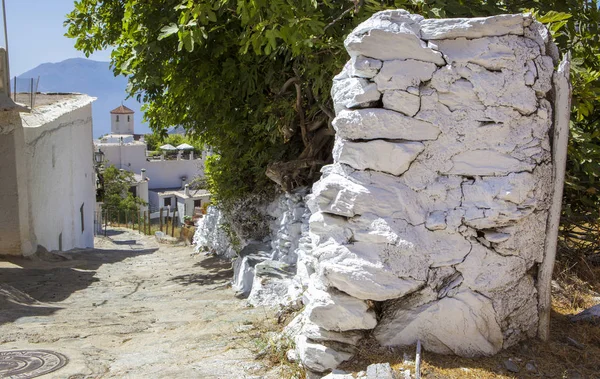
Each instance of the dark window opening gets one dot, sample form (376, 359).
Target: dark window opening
(82, 218)
(133, 190)
(197, 203)
(117, 118)
(128, 119)
(167, 202)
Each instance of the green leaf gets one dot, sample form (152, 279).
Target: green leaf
(553, 16)
(167, 31)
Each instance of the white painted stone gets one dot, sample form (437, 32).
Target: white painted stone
(493, 53)
(368, 281)
(477, 27)
(485, 271)
(505, 88)
(464, 325)
(324, 226)
(375, 123)
(318, 357)
(544, 68)
(390, 157)
(338, 312)
(448, 241)
(402, 101)
(317, 333)
(486, 162)
(436, 221)
(364, 67)
(389, 35)
(338, 374)
(357, 194)
(353, 93)
(210, 237)
(401, 74)
(460, 95)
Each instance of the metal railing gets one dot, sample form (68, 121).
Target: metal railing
(24, 90)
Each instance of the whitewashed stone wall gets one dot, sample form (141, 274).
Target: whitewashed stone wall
(264, 268)
(210, 236)
(431, 222)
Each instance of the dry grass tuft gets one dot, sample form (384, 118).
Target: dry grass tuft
(271, 346)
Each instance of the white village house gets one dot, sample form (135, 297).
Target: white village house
(163, 181)
(47, 190)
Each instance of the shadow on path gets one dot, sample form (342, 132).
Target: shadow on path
(219, 271)
(31, 288)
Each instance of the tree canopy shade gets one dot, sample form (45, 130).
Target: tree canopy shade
(251, 78)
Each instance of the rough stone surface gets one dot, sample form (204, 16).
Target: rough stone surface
(363, 67)
(472, 27)
(382, 124)
(591, 314)
(338, 312)
(450, 319)
(210, 237)
(437, 201)
(402, 101)
(131, 308)
(390, 35)
(354, 93)
(380, 371)
(366, 155)
(318, 357)
(401, 74)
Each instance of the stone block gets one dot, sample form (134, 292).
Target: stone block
(477, 27)
(390, 157)
(402, 74)
(338, 312)
(374, 123)
(354, 93)
(402, 101)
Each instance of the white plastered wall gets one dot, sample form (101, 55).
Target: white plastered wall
(58, 140)
(124, 125)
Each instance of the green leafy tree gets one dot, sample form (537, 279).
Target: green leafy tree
(117, 197)
(251, 78)
(153, 141)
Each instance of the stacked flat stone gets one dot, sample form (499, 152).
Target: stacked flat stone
(435, 209)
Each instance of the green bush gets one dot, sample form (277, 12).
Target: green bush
(251, 78)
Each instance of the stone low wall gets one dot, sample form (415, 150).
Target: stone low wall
(431, 223)
(264, 268)
(211, 237)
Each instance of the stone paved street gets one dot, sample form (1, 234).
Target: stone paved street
(130, 309)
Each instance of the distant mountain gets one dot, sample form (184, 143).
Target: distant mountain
(93, 78)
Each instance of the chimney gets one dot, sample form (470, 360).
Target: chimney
(143, 174)
(187, 190)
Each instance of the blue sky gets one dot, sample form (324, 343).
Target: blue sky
(36, 34)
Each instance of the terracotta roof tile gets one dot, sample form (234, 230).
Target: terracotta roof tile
(122, 110)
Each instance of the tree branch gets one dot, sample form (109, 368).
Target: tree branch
(301, 113)
(356, 7)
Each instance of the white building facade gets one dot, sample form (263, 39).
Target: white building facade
(48, 186)
(127, 151)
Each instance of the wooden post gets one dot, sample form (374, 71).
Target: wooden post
(173, 223)
(418, 361)
(144, 222)
(562, 114)
(139, 222)
(126, 220)
(149, 226)
(161, 219)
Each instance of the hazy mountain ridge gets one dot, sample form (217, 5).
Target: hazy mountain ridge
(93, 78)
